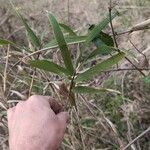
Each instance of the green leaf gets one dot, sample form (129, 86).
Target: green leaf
(34, 39)
(92, 90)
(105, 38)
(67, 29)
(102, 50)
(6, 42)
(88, 74)
(98, 28)
(48, 66)
(102, 38)
(62, 44)
(69, 41)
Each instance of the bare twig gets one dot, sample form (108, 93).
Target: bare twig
(80, 129)
(138, 50)
(33, 76)
(68, 7)
(5, 70)
(122, 33)
(134, 66)
(141, 26)
(31, 83)
(137, 138)
(111, 24)
(112, 28)
(123, 69)
(115, 41)
(129, 31)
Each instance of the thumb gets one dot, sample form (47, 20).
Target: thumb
(63, 118)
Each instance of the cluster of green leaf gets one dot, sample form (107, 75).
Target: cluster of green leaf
(72, 71)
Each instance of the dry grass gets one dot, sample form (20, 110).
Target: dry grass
(105, 121)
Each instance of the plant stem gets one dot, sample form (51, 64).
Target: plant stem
(123, 69)
(115, 40)
(71, 95)
(139, 136)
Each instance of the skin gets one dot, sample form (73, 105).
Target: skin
(36, 124)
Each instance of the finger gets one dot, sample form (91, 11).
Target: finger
(63, 119)
(20, 104)
(46, 101)
(10, 114)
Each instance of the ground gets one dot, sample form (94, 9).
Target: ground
(108, 121)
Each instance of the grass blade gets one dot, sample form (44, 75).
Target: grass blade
(69, 41)
(105, 38)
(34, 39)
(91, 90)
(62, 44)
(102, 50)
(67, 29)
(48, 66)
(88, 74)
(6, 42)
(98, 28)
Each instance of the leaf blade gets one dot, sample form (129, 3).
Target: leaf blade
(103, 50)
(69, 41)
(67, 29)
(100, 67)
(92, 90)
(98, 28)
(106, 38)
(62, 43)
(34, 39)
(6, 42)
(48, 66)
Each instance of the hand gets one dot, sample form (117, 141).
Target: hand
(36, 124)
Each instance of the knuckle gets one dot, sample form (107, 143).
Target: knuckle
(20, 105)
(33, 98)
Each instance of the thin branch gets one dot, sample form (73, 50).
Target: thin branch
(141, 26)
(33, 76)
(137, 138)
(80, 129)
(111, 24)
(124, 32)
(116, 44)
(134, 66)
(68, 7)
(129, 31)
(71, 95)
(5, 70)
(31, 83)
(126, 69)
(112, 28)
(138, 50)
